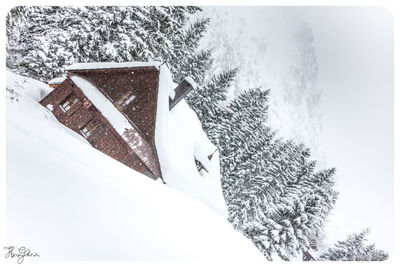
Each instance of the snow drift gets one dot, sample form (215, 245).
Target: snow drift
(24, 85)
(180, 140)
(68, 201)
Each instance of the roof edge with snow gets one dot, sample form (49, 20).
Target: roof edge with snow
(112, 65)
(57, 80)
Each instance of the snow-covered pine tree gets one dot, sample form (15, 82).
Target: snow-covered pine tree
(208, 99)
(354, 248)
(278, 193)
(43, 40)
(242, 123)
(188, 59)
(273, 193)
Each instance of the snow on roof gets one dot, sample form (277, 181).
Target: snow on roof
(112, 65)
(117, 120)
(57, 80)
(180, 139)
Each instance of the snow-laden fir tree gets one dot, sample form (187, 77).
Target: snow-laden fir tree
(273, 192)
(207, 99)
(42, 41)
(235, 132)
(273, 184)
(354, 248)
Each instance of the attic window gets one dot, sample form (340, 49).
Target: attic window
(69, 102)
(125, 100)
(89, 128)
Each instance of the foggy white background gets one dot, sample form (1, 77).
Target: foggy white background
(330, 71)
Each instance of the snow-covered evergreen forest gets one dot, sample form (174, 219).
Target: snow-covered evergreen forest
(275, 194)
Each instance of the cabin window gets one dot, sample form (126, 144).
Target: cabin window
(125, 100)
(89, 128)
(69, 102)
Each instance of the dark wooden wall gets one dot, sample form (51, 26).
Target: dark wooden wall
(141, 81)
(104, 138)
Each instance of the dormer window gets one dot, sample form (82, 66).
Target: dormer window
(69, 102)
(89, 128)
(125, 100)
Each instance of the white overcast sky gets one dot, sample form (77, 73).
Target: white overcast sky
(354, 50)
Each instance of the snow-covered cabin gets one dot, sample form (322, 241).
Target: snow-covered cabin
(114, 106)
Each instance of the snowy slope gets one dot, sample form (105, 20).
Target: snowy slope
(66, 200)
(24, 85)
